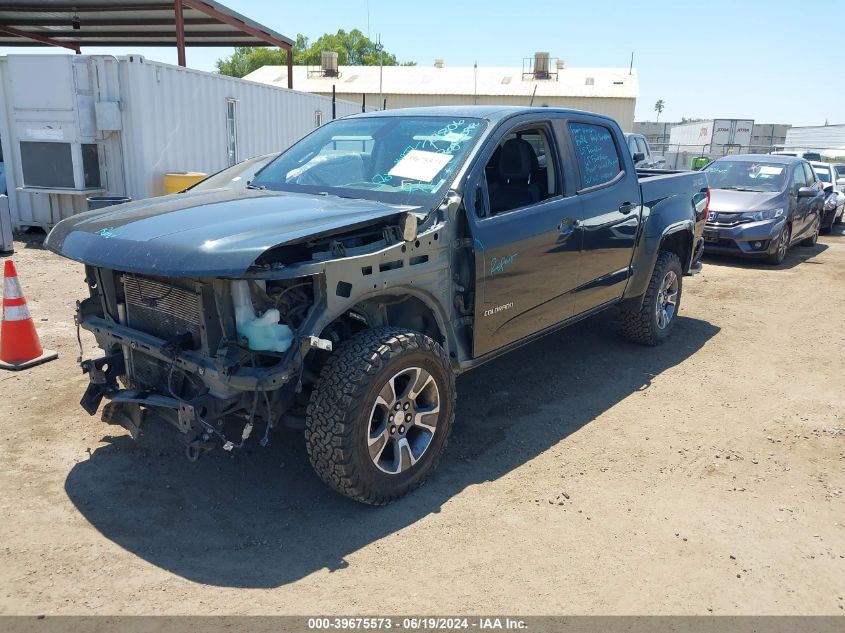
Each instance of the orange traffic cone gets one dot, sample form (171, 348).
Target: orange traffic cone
(19, 345)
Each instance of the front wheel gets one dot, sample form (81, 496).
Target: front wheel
(653, 322)
(782, 245)
(380, 414)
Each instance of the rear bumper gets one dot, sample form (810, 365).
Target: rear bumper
(754, 239)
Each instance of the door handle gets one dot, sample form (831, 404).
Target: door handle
(627, 207)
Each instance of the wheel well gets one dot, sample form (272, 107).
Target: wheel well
(403, 310)
(679, 243)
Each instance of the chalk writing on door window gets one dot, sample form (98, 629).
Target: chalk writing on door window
(596, 151)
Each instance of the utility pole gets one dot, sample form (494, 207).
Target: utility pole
(475, 83)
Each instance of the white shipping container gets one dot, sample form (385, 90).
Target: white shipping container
(115, 126)
(712, 136)
(691, 134)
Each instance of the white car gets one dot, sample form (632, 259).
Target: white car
(834, 204)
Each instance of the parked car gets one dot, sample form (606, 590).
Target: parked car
(237, 176)
(641, 153)
(345, 300)
(834, 204)
(761, 204)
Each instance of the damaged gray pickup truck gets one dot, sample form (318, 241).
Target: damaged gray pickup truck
(367, 266)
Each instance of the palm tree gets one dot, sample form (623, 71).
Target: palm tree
(658, 107)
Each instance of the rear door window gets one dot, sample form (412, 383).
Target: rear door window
(596, 152)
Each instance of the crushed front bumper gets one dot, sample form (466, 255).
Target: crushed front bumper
(228, 387)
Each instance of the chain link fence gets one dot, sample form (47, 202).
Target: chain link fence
(683, 156)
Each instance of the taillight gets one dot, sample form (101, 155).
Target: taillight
(707, 206)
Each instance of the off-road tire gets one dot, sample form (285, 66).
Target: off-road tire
(338, 413)
(640, 325)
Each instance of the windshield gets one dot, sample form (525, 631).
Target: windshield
(234, 177)
(746, 175)
(395, 159)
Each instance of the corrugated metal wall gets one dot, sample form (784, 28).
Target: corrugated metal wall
(173, 120)
(620, 109)
(816, 137)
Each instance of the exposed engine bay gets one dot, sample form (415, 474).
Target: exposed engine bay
(222, 359)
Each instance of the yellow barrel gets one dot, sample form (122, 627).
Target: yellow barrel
(175, 181)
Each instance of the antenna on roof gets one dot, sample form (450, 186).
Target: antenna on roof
(532, 95)
(631, 67)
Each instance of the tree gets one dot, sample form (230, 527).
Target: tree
(352, 48)
(658, 107)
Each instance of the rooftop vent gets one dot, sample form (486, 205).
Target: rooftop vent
(541, 65)
(560, 65)
(328, 63)
(438, 63)
(590, 81)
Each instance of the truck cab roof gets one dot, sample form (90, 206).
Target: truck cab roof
(492, 113)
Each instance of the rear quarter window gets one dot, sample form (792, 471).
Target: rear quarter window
(596, 152)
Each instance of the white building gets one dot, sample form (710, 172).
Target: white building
(610, 91)
(72, 126)
(817, 137)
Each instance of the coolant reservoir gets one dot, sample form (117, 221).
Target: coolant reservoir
(264, 333)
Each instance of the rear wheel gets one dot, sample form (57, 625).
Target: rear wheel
(653, 322)
(380, 414)
(782, 246)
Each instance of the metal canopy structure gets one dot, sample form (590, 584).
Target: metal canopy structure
(73, 24)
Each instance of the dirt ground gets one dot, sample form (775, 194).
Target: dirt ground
(586, 475)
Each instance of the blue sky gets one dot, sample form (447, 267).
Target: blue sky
(774, 62)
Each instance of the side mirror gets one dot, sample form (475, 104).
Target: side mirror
(806, 192)
(409, 227)
(638, 156)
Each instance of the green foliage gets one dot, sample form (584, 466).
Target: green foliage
(658, 107)
(352, 48)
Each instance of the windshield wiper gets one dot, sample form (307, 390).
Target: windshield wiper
(257, 187)
(741, 189)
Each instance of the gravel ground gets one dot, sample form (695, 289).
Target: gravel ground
(586, 475)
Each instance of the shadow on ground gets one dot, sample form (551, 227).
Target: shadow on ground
(796, 255)
(261, 518)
